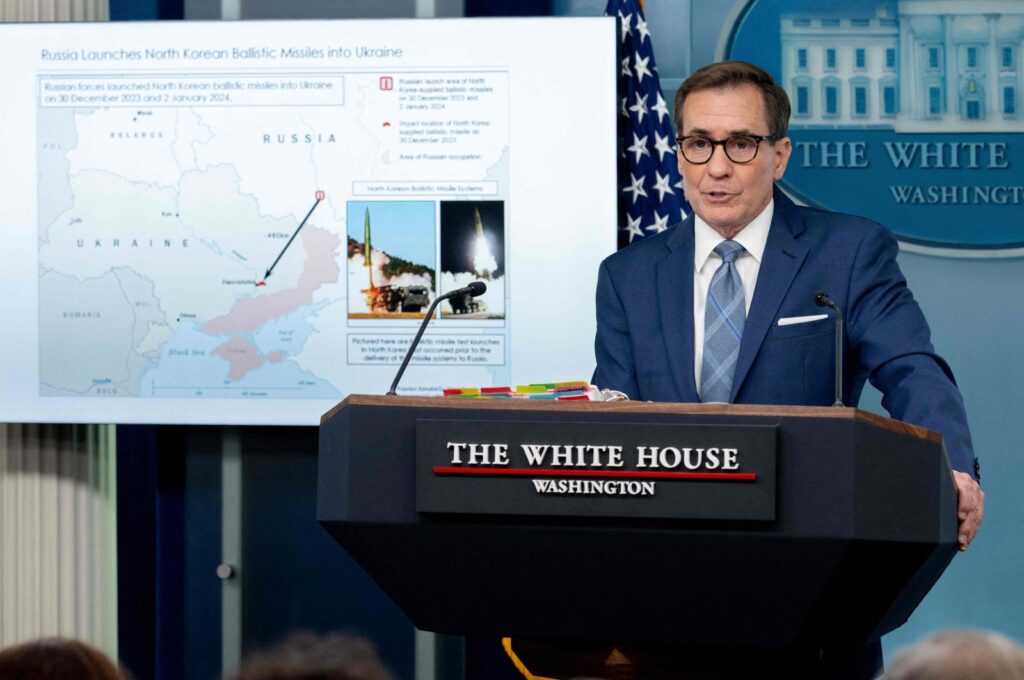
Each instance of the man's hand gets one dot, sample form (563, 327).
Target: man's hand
(971, 507)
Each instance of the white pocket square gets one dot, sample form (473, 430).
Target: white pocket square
(790, 320)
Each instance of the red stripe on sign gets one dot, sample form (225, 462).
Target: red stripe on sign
(629, 474)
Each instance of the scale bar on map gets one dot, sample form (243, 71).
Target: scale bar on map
(228, 388)
(270, 89)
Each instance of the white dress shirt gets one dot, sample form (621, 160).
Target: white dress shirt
(706, 262)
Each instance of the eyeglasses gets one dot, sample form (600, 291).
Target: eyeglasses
(698, 149)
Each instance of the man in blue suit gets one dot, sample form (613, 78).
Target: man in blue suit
(722, 308)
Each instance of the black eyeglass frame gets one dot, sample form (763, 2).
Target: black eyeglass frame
(722, 142)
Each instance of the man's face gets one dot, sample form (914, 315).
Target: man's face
(725, 194)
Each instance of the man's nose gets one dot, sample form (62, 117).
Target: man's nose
(719, 165)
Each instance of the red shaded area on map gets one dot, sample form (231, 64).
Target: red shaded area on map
(249, 313)
(244, 357)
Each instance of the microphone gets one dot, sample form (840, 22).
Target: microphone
(822, 299)
(474, 289)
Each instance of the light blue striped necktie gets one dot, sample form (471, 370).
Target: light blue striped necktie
(724, 314)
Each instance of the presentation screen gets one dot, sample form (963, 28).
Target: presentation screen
(244, 222)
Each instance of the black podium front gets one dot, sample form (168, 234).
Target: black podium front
(861, 525)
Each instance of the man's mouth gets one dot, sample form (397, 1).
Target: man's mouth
(718, 195)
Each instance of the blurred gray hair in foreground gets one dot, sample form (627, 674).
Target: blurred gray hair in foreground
(307, 656)
(960, 655)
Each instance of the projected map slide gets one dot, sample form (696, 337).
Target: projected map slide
(247, 222)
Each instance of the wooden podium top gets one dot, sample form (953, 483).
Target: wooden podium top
(830, 412)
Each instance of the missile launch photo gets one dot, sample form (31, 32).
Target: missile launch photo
(473, 248)
(391, 259)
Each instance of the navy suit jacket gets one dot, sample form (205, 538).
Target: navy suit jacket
(644, 341)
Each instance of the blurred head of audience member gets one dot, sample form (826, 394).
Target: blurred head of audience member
(306, 656)
(57, 659)
(960, 654)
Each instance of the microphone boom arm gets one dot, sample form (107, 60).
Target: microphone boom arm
(474, 289)
(412, 347)
(823, 300)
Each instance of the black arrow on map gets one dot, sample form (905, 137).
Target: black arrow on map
(301, 225)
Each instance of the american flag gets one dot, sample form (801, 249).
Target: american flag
(651, 199)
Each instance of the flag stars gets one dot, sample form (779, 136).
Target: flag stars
(663, 146)
(661, 185)
(650, 183)
(641, 28)
(660, 224)
(660, 107)
(641, 67)
(636, 188)
(640, 107)
(639, 149)
(625, 20)
(632, 227)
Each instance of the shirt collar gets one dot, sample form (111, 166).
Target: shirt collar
(752, 237)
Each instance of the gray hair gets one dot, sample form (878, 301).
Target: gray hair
(960, 655)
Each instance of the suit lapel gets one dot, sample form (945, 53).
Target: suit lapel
(675, 305)
(783, 257)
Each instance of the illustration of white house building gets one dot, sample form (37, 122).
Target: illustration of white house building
(939, 65)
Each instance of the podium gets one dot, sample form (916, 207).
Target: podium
(843, 521)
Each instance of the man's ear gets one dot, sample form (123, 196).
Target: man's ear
(783, 150)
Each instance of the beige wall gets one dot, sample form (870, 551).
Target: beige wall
(54, 10)
(58, 538)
